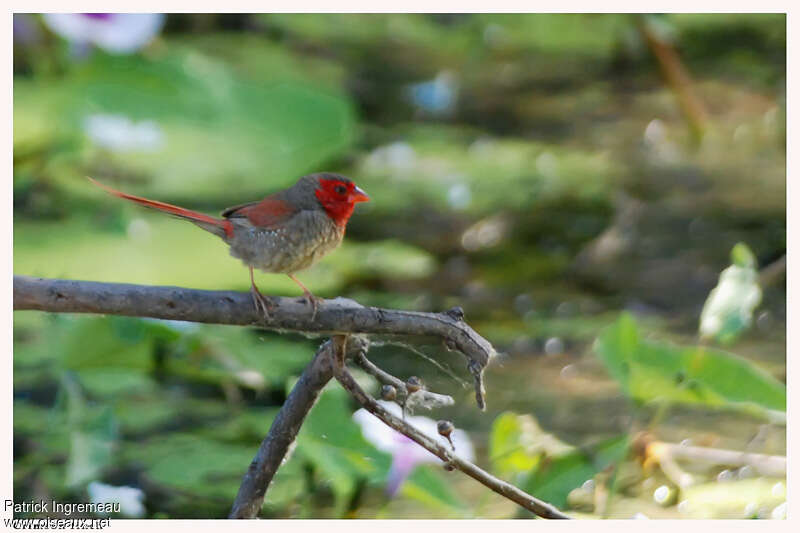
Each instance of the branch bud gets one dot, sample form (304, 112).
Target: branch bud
(388, 393)
(413, 384)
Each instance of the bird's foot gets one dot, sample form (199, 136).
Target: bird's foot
(310, 298)
(263, 304)
(313, 301)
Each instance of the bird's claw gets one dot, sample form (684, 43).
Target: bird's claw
(310, 298)
(263, 304)
(313, 301)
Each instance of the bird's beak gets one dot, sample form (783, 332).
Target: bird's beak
(358, 195)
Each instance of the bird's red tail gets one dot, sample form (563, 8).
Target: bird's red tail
(204, 221)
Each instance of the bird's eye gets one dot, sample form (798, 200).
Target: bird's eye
(340, 189)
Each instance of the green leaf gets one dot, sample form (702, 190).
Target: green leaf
(288, 486)
(146, 413)
(657, 371)
(112, 381)
(273, 357)
(91, 446)
(220, 131)
(116, 341)
(553, 480)
(742, 256)
(193, 464)
(332, 443)
(29, 418)
(331, 421)
(427, 486)
(517, 444)
(92, 433)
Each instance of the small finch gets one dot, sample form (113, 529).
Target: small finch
(285, 232)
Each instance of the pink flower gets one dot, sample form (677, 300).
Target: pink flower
(407, 454)
(116, 33)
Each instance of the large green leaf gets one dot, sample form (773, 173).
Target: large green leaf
(657, 371)
(220, 132)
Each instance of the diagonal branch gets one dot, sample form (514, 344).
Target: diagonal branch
(337, 316)
(282, 434)
(532, 504)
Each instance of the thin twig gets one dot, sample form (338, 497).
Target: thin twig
(676, 75)
(336, 316)
(773, 272)
(532, 504)
(423, 398)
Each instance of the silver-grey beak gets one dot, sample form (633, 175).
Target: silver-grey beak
(359, 195)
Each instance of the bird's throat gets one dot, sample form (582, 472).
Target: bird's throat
(339, 212)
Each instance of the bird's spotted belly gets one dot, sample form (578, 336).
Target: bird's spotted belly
(282, 250)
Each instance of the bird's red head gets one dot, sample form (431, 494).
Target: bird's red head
(338, 197)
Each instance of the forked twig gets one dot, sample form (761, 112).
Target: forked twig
(520, 497)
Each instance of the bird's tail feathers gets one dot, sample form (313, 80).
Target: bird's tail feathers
(220, 227)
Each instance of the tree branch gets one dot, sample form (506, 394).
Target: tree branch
(532, 504)
(676, 76)
(773, 272)
(340, 317)
(763, 464)
(337, 316)
(282, 434)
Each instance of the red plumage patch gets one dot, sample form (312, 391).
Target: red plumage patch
(266, 213)
(339, 198)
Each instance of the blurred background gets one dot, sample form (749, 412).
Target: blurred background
(604, 195)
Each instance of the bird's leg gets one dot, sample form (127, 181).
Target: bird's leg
(313, 300)
(262, 303)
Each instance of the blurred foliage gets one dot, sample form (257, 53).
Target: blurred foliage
(543, 465)
(517, 444)
(557, 477)
(220, 130)
(746, 498)
(555, 189)
(652, 371)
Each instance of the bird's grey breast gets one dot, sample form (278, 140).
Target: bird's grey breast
(294, 245)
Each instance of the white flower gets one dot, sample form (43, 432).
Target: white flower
(120, 134)
(406, 454)
(117, 33)
(129, 499)
(733, 300)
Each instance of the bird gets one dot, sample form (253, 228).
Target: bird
(285, 232)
